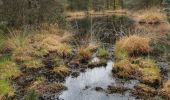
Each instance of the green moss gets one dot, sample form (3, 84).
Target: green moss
(102, 52)
(5, 87)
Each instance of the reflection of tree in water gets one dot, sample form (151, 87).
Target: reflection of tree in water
(104, 28)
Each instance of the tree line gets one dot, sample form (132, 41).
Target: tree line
(23, 12)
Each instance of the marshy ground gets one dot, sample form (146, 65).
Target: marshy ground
(109, 57)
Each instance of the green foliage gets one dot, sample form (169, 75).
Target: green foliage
(140, 4)
(5, 87)
(102, 52)
(32, 95)
(24, 12)
(8, 68)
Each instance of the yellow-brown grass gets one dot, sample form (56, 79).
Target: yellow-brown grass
(165, 91)
(143, 69)
(133, 45)
(124, 68)
(40, 87)
(64, 50)
(84, 53)
(62, 70)
(151, 16)
(33, 63)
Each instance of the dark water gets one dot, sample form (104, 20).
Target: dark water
(83, 86)
(105, 28)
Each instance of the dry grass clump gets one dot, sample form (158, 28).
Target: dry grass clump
(144, 70)
(8, 68)
(125, 68)
(18, 44)
(145, 90)
(64, 50)
(165, 91)
(33, 63)
(149, 71)
(151, 16)
(133, 45)
(92, 46)
(46, 43)
(62, 70)
(84, 53)
(42, 87)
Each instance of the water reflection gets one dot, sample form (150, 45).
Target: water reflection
(105, 28)
(82, 87)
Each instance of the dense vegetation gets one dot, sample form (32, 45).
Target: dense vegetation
(40, 45)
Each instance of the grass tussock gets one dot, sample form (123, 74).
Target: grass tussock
(129, 64)
(132, 45)
(150, 72)
(84, 53)
(41, 87)
(142, 69)
(151, 16)
(145, 90)
(33, 63)
(8, 68)
(64, 50)
(124, 68)
(62, 70)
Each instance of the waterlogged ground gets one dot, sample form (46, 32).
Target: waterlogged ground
(93, 83)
